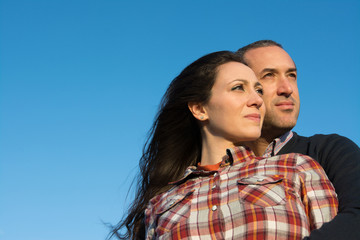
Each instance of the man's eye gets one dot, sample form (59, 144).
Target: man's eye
(268, 75)
(293, 75)
(238, 87)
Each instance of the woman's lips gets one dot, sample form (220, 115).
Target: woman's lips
(254, 117)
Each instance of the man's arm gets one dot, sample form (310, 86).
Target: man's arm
(318, 194)
(340, 158)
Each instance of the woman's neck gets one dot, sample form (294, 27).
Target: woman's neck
(213, 149)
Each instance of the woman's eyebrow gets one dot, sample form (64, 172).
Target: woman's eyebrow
(239, 80)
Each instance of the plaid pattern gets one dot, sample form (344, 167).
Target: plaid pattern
(276, 145)
(248, 197)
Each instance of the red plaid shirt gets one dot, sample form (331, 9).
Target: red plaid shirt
(248, 197)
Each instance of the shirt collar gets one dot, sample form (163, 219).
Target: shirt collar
(238, 154)
(233, 156)
(277, 144)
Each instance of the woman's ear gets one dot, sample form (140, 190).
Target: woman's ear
(198, 111)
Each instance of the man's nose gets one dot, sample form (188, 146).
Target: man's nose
(284, 87)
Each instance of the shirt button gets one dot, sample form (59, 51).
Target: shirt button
(213, 187)
(215, 174)
(214, 208)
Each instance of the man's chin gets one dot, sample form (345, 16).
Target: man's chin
(274, 130)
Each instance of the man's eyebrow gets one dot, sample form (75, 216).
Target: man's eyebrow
(274, 70)
(292, 70)
(269, 70)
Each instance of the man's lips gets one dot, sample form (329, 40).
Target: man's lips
(254, 117)
(285, 105)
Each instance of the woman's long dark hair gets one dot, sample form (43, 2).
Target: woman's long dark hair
(174, 141)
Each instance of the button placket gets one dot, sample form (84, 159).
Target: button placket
(215, 197)
(214, 201)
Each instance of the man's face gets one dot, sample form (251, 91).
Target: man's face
(276, 71)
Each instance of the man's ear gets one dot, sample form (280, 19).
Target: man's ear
(198, 111)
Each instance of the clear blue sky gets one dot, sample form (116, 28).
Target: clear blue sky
(80, 82)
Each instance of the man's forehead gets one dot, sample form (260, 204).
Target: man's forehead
(269, 57)
(267, 51)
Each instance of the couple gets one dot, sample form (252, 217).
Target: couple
(217, 167)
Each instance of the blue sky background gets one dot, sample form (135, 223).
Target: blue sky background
(80, 82)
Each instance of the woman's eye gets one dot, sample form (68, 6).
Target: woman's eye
(260, 91)
(238, 87)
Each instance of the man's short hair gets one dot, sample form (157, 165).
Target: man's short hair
(258, 44)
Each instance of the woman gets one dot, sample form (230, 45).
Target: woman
(198, 181)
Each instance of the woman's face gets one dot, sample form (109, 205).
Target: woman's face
(235, 111)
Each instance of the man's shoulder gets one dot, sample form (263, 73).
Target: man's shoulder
(318, 143)
(319, 138)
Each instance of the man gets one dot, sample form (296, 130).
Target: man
(339, 156)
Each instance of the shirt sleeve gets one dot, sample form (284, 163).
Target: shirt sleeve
(340, 158)
(317, 192)
(149, 222)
